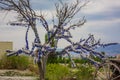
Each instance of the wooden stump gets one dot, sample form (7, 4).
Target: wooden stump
(117, 72)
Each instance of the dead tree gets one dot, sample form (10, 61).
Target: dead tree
(65, 13)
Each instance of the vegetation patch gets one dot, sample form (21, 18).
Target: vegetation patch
(15, 62)
(56, 72)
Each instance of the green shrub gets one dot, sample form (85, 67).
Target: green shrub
(85, 72)
(52, 58)
(63, 60)
(14, 62)
(56, 72)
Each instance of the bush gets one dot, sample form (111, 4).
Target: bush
(52, 58)
(14, 62)
(85, 72)
(56, 72)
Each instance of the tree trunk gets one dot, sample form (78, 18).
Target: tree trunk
(41, 75)
(42, 67)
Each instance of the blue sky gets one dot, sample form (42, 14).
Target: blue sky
(103, 20)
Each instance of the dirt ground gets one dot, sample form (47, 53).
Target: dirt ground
(16, 78)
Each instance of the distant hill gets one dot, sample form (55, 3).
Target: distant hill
(111, 50)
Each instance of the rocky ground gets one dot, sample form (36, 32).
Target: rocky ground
(16, 75)
(16, 78)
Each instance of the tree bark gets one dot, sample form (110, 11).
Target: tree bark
(41, 72)
(42, 67)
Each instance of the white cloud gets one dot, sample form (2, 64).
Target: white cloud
(48, 14)
(106, 30)
(17, 36)
(97, 6)
(103, 23)
(7, 17)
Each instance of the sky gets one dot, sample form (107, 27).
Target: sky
(103, 21)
